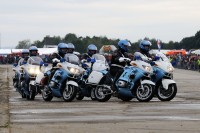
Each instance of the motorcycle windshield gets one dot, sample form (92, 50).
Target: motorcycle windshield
(72, 58)
(99, 57)
(162, 56)
(34, 60)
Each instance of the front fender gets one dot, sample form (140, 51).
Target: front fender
(32, 82)
(147, 82)
(166, 82)
(72, 83)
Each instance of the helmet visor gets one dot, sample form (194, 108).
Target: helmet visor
(33, 51)
(64, 50)
(70, 50)
(93, 51)
(146, 47)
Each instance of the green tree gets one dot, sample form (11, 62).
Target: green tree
(24, 44)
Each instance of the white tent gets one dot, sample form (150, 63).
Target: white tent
(5, 51)
(196, 52)
(46, 51)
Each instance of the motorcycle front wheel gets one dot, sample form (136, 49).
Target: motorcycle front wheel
(102, 93)
(167, 94)
(69, 93)
(46, 94)
(22, 87)
(32, 92)
(145, 93)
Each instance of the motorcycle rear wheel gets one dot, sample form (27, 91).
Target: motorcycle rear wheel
(46, 94)
(79, 95)
(102, 93)
(92, 94)
(167, 95)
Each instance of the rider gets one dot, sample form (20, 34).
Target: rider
(144, 48)
(70, 48)
(33, 51)
(16, 79)
(87, 57)
(56, 57)
(91, 49)
(25, 54)
(119, 59)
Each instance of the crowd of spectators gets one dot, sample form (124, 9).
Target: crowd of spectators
(190, 62)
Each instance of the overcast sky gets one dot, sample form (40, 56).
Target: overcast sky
(125, 19)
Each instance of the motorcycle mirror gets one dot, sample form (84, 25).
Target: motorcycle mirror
(41, 63)
(46, 64)
(62, 60)
(24, 62)
(157, 58)
(88, 59)
(15, 64)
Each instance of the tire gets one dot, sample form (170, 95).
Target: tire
(102, 93)
(46, 94)
(22, 87)
(146, 94)
(23, 94)
(92, 95)
(32, 92)
(69, 93)
(79, 95)
(126, 99)
(167, 95)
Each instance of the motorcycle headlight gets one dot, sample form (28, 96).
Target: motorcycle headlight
(147, 68)
(34, 71)
(170, 68)
(73, 70)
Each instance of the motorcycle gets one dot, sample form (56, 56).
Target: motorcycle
(135, 81)
(40, 79)
(93, 82)
(166, 87)
(63, 82)
(29, 70)
(18, 77)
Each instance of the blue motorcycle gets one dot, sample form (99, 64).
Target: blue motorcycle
(135, 81)
(63, 82)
